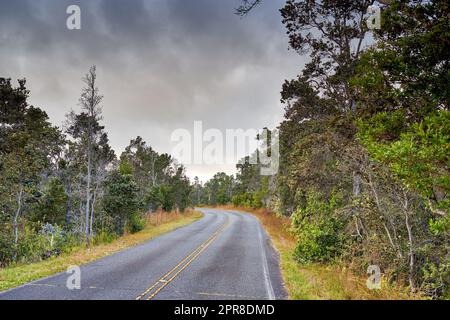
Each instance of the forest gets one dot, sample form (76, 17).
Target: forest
(364, 145)
(364, 153)
(61, 187)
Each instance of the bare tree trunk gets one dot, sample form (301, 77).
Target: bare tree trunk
(88, 193)
(69, 204)
(394, 245)
(94, 198)
(91, 221)
(80, 217)
(357, 227)
(153, 171)
(356, 183)
(410, 242)
(16, 221)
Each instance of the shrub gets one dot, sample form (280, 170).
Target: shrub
(6, 247)
(319, 233)
(136, 223)
(104, 237)
(436, 280)
(249, 200)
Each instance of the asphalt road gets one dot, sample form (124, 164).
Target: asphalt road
(226, 255)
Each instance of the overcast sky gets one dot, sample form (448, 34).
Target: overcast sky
(161, 64)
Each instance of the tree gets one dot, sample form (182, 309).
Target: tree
(52, 204)
(162, 183)
(408, 69)
(90, 100)
(197, 192)
(29, 142)
(181, 188)
(92, 142)
(121, 199)
(247, 6)
(149, 168)
(218, 190)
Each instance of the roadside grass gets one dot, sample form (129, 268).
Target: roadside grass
(317, 281)
(157, 224)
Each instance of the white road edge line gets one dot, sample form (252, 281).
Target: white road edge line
(267, 282)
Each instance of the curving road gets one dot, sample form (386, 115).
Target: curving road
(226, 255)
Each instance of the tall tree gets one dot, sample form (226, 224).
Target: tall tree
(86, 129)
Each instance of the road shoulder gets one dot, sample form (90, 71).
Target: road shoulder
(15, 276)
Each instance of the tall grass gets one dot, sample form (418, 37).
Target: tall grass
(318, 281)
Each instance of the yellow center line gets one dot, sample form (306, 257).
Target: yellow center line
(165, 280)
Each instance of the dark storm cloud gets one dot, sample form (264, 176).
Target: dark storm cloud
(161, 63)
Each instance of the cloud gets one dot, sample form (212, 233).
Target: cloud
(161, 63)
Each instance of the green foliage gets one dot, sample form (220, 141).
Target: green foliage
(218, 190)
(120, 200)
(52, 205)
(36, 243)
(372, 123)
(6, 246)
(104, 237)
(181, 189)
(161, 182)
(396, 93)
(74, 184)
(125, 167)
(136, 223)
(318, 230)
(243, 199)
(419, 154)
(440, 226)
(249, 199)
(436, 279)
(408, 68)
(161, 197)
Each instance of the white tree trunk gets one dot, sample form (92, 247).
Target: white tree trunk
(410, 243)
(392, 240)
(16, 221)
(88, 193)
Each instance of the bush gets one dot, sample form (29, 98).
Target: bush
(36, 243)
(249, 200)
(136, 223)
(319, 233)
(120, 201)
(436, 280)
(6, 247)
(104, 237)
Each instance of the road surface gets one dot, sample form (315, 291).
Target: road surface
(226, 256)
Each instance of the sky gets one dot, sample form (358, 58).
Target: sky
(161, 65)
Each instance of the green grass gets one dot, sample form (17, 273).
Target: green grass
(14, 276)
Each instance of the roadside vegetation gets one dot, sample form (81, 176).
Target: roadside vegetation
(63, 188)
(319, 281)
(363, 174)
(156, 224)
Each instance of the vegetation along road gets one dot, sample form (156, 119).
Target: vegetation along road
(225, 255)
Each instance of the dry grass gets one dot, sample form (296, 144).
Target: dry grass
(315, 281)
(157, 224)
